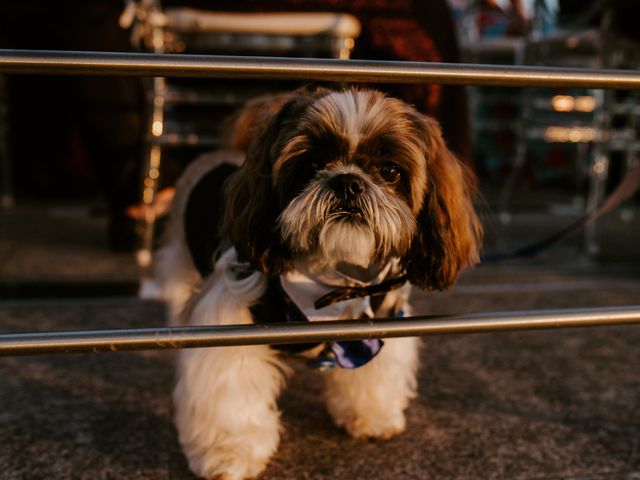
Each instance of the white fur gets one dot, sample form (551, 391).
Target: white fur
(345, 242)
(312, 223)
(354, 114)
(225, 398)
(369, 402)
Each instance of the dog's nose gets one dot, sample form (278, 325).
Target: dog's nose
(347, 185)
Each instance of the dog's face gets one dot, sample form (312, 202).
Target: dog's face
(354, 177)
(350, 181)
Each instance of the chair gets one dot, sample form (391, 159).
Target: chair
(601, 124)
(182, 111)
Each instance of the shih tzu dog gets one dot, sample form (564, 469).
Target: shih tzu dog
(331, 204)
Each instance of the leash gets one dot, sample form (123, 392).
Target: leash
(629, 185)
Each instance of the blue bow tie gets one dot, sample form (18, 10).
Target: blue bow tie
(356, 353)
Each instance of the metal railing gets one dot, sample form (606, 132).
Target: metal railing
(94, 63)
(156, 65)
(232, 335)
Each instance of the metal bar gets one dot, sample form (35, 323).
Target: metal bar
(220, 336)
(165, 65)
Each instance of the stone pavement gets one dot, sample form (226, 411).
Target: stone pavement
(536, 405)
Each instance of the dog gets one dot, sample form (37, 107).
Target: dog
(329, 206)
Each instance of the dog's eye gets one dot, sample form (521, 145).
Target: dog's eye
(390, 172)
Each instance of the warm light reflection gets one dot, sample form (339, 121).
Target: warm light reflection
(568, 134)
(600, 166)
(156, 128)
(585, 104)
(567, 103)
(562, 103)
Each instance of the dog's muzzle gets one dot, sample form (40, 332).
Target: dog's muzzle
(347, 186)
(348, 189)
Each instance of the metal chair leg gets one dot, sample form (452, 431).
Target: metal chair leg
(152, 173)
(628, 211)
(7, 199)
(519, 162)
(598, 173)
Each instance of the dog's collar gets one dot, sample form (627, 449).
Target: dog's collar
(332, 294)
(341, 294)
(293, 297)
(277, 306)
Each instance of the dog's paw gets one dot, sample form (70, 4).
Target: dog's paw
(228, 465)
(378, 427)
(238, 456)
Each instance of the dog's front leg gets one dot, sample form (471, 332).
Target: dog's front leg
(225, 397)
(225, 410)
(370, 401)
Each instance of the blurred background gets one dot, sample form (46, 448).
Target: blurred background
(87, 167)
(100, 155)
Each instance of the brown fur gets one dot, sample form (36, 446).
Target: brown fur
(252, 206)
(249, 123)
(449, 233)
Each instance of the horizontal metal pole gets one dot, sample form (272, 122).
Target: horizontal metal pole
(222, 336)
(147, 64)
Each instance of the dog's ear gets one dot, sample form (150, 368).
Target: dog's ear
(250, 121)
(449, 234)
(252, 207)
